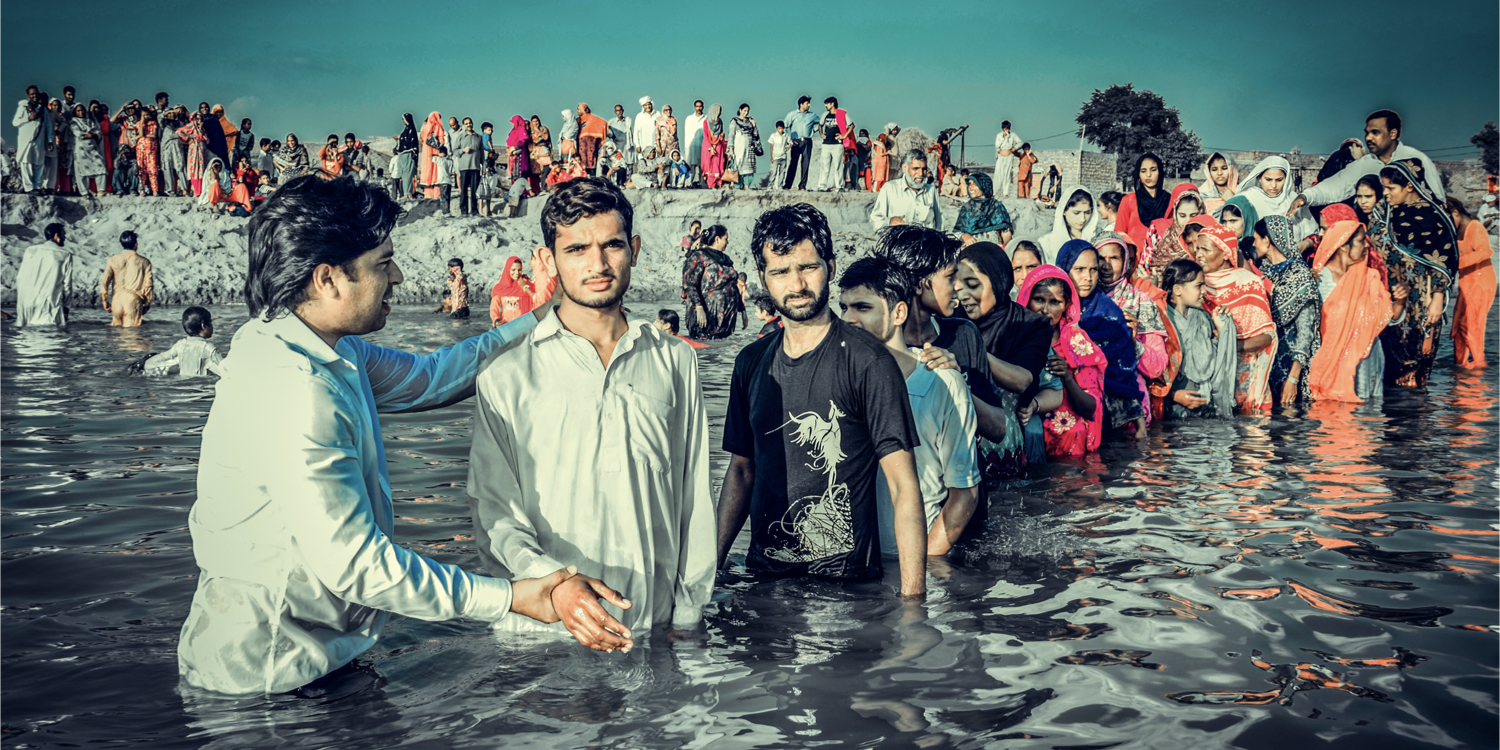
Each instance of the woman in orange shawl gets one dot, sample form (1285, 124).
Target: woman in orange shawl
(1356, 309)
(1476, 287)
(231, 133)
(510, 298)
(432, 136)
(1244, 296)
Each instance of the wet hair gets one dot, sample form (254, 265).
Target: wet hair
(762, 302)
(581, 198)
(53, 230)
(780, 124)
(1180, 271)
(1079, 196)
(455, 263)
(832, 100)
(1454, 204)
(195, 319)
(780, 229)
(911, 155)
(128, 239)
(309, 222)
(1392, 120)
(712, 234)
(1112, 199)
(801, 100)
(918, 250)
(670, 318)
(884, 277)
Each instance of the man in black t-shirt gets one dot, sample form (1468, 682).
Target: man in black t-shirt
(814, 408)
(938, 338)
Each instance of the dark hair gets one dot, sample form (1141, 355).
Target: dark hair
(350, 137)
(53, 229)
(1079, 196)
(1392, 120)
(484, 125)
(696, 102)
(195, 319)
(882, 276)
(1025, 146)
(443, 150)
(1231, 208)
(1396, 176)
(1454, 204)
(68, 88)
(245, 121)
(581, 198)
(1371, 181)
(801, 100)
(1112, 199)
(1192, 226)
(743, 106)
(832, 100)
(455, 263)
(1029, 247)
(744, 276)
(670, 318)
(781, 229)
(918, 250)
(265, 141)
(1005, 124)
(162, 95)
(1161, 175)
(1179, 271)
(311, 221)
(277, 144)
(712, 233)
(864, 133)
(1216, 157)
(128, 239)
(780, 124)
(1054, 283)
(762, 303)
(1260, 228)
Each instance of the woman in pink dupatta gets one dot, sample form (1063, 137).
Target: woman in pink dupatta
(1247, 298)
(1072, 426)
(518, 151)
(714, 146)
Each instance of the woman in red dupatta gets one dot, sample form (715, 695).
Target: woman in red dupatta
(518, 153)
(1354, 314)
(427, 170)
(510, 298)
(1164, 236)
(1245, 296)
(1071, 427)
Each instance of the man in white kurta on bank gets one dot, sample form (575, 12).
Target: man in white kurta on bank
(1006, 161)
(911, 199)
(591, 440)
(297, 570)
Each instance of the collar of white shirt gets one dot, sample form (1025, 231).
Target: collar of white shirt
(551, 326)
(290, 329)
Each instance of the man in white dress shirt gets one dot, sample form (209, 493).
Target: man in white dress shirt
(1006, 160)
(591, 442)
(909, 200)
(291, 530)
(1382, 144)
(643, 132)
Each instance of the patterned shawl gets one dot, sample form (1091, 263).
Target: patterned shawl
(1130, 299)
(1240, 292)
(1422, 231)
(986, 214)
(1293, 285)
(1105, 324)
(1164, 237)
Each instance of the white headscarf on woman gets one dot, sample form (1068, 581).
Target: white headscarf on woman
(1303, 223)
(1053, 241)
(1213, 198)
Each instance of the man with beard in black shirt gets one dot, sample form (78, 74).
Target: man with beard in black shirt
(814, 408)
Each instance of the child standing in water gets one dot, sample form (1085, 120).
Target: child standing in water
(1074, 422)
(193, 356)
(1205, 382)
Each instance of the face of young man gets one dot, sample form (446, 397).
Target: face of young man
(863, 308)
(361, 300)
(592, 260)
(797, 282)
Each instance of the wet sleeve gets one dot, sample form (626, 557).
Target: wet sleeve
(697, 527)
(887, 410)
(958, 426)
(494, 489)
(1031, 354)
(402, 381)
(1308, 322)
(739, 435)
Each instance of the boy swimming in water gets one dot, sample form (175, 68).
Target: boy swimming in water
(193, 356)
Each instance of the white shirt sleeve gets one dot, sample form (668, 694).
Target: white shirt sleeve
(403, 381)
(698, 528)
(880, 212)
(958, 425)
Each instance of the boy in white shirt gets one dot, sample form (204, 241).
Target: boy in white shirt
(781, 145)
(444, 174)
(193, 356)
(876, 295)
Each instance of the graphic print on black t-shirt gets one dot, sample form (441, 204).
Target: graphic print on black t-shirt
(816, 427)
(819, 524)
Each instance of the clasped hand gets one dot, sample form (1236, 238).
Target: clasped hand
(574, 599)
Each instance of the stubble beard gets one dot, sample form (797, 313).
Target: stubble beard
(803, 315)
(599, 301)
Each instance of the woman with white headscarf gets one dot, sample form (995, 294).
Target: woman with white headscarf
(1268, 188)
(1075, 218)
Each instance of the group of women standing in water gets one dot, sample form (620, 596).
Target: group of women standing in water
(1207, 300)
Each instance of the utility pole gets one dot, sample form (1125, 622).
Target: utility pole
(1081, 133)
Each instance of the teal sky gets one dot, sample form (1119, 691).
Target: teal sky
(1268, 75)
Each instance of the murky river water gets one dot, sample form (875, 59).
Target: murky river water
(1326, 579)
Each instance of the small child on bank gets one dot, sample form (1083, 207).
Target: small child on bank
(765, 312)
(444, 174)
(667, 321)
(193, 356)
(679, 170)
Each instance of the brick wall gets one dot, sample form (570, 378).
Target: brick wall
(1098, 169)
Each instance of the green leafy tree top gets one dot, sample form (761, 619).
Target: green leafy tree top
(1128, 123)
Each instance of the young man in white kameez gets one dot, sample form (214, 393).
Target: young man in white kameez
(591, 441)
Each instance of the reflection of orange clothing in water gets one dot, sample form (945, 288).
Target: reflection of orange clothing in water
(132, 293)
(1476, 293)
(1023, 175)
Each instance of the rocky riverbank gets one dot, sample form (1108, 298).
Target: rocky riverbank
(199, 258)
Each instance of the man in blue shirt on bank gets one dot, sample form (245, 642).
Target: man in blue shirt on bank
(800, 124)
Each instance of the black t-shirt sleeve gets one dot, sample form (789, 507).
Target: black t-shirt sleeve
(1031, 353)
(887, 411)
(739, 435)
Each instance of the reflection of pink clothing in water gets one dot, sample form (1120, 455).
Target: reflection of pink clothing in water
(130, 276)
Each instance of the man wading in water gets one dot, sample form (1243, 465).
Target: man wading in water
(292, 528)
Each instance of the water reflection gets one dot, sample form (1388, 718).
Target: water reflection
(1326, 576)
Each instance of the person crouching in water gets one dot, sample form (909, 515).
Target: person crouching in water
(194, 356)
(456, 299)
(1074, 421)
